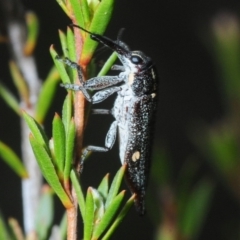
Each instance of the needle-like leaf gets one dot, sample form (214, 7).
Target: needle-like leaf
(11, 158)
(108, 215)
(48, 170)
(89, 215)
(115, 186)
(80, 197)
(119, 218)
(47, 92)
(98, 25)
(104, 186)
(10, 99)
(36, 130)
(70, 142)
(59, 141)
(32, 30)
(60, 66)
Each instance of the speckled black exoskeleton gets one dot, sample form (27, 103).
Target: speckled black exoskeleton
(133, 110)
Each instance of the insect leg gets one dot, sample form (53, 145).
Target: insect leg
(104, 94)
(76, 87)
(118, 68)
(73, 65)
(95, 83)
(101, 111)
(109, 141)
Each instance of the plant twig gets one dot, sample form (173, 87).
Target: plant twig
(31, 187)
(72, 213)
(79, 117)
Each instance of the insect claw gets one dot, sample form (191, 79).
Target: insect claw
(57, 57)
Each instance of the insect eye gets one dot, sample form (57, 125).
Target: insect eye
(136, 60)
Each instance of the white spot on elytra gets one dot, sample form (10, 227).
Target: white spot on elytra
(153, 95)
(153, 74)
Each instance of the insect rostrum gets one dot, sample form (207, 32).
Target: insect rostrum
(133, 110)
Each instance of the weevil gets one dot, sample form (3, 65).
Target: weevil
(134, 110)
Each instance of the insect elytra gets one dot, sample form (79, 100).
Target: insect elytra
(133, 110)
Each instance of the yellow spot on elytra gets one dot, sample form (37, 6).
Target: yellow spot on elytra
(130, 78)
(136, 156)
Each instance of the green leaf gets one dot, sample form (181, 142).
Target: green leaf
(4, 232)
(10, 157)
(10, 99)
(32, 32)
(71, 53)
(36, 130)
(104, 186)
(93, 4)
(108, 216)
(80, 197)
(63, 41)
(45, 213)
(71, 44)
(108, 64)
(48, 171)
(47, 94)
(19, 82)
(99, 205)
(196, 209)
(69, 150)
(98, 25)
(102, 16)
(115, 185)
(59, 141)
(81, 12)
(51, 147)
(119, 218)
(62, 4)
(67, 110)
(89, 215)
(60, 66)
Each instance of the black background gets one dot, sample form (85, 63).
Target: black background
(172, 33)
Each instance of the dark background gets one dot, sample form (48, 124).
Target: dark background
(173, 33)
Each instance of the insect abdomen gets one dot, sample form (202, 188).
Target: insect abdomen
(138, 151)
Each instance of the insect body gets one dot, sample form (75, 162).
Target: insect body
(133, 110)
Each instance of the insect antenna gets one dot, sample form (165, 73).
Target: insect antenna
(120, 33)
(74, 25)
